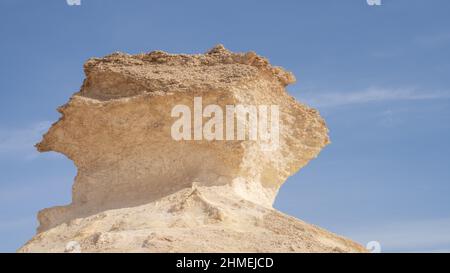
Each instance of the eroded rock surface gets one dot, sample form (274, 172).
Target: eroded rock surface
(138, 189)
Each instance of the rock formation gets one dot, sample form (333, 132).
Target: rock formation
(138, 189)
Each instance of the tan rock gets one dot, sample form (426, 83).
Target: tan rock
(138, 189)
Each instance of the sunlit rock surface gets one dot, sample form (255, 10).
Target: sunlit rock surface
(137, 189)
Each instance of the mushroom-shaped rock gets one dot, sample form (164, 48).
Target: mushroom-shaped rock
(180, 152)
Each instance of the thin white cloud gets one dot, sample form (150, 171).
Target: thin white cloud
(19, 142)
(429, 235)
(370, 95)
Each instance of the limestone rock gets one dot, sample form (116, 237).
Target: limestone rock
(138, 189)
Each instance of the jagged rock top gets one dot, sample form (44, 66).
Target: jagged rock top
(158, 71)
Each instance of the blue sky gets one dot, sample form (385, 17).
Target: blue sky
(378, 74)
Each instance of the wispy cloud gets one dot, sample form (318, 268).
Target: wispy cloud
(19, 142)
(429, 235)
(369, 95)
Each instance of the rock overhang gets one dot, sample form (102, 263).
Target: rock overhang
(117, 130)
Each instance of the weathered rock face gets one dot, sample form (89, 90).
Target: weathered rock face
(139, 189)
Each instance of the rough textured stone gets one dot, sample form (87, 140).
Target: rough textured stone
(137, 189)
